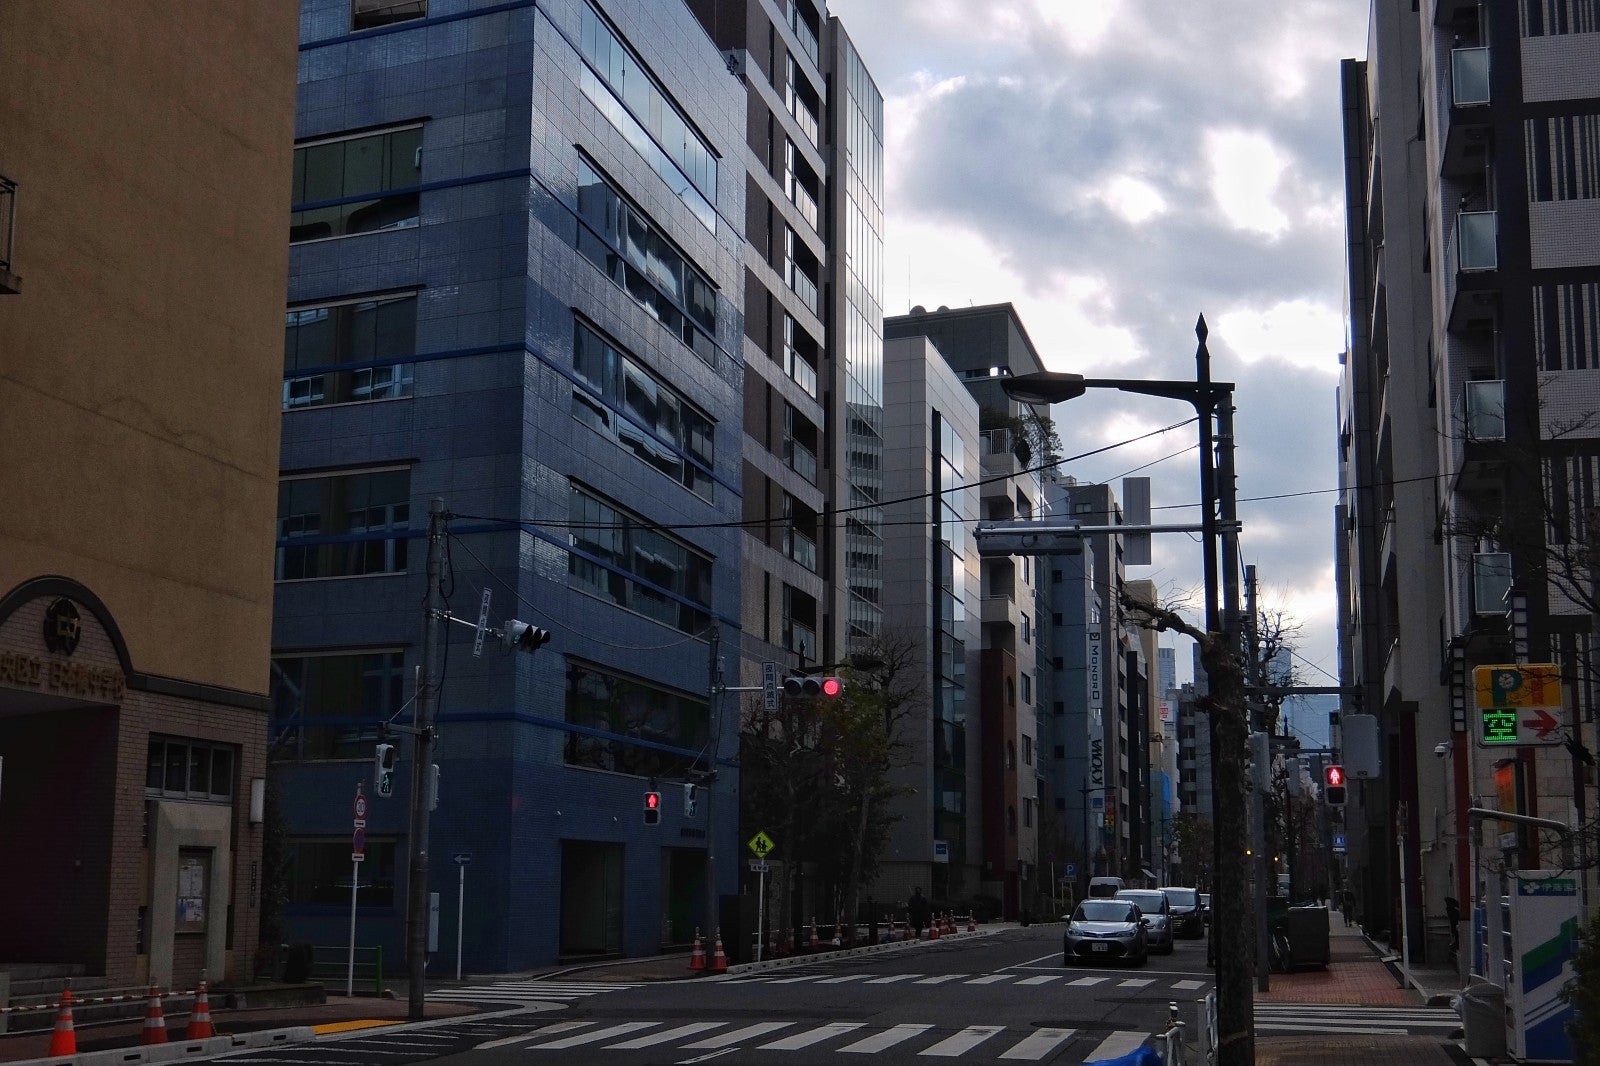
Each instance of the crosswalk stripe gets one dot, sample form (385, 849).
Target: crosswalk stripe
(1040, 1044)
(812, 1036)
(886, 1039)
(1085, 981)
(1188, 986)
(595, 1036)
(1116, 1045)
(1046, 979)
(523, 1038)
(892, 978)
(1136, 982)
(990, 979)
(793, 980)
(843, 979)
(964, 1041)
(661, 1038)
(749, 1032)
(941, 979)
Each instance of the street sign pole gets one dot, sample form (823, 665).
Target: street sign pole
(461, 861)
(358, 841)
(761, 905)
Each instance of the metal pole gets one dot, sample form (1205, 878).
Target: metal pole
(1405, 928)
(426, 706)
(461, 910)
(713, 698)
(761, 907)
(350, 969)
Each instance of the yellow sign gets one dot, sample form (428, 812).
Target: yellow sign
(761, 844)
(1518, 704)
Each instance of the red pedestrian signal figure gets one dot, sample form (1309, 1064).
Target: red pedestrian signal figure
(652, 808)
(1333, 788)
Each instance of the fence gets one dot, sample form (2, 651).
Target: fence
(331, 966)
(1170, 1042)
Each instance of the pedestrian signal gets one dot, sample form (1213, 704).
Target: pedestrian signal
(1333, 789)
(383, 761)
(652, 808)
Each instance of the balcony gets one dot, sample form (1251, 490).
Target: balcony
(803, 115)
(10, 283)
(801, 548)
(800, 459)
(800, 372)
(800, 639)
(1457, 14)
(1482, 417)
(1477, 240)
(1467, 129)
(802, 286)
(802, 200)
(802, 30)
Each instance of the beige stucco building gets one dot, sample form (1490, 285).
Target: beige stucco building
(149, 146)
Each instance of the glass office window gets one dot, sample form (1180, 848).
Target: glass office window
(350, 518)
(363, 184)
(317, 340)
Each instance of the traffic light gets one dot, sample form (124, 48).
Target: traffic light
(383, 761)
(652, 808)
(815, 685)
(1333, 785)
(520, 636)
(691, 799)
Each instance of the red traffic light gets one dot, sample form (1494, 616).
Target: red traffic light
(1335, 775)
(832, 686)
(652, 801)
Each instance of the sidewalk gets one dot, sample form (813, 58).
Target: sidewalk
(1356, 975)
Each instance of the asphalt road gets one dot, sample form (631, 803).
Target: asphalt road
(1001, 996)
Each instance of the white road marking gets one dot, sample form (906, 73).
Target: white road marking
(886, 1039)
(1119, 1043)
(749, 1032)
(1040, 1044)
(812, 1036)
(964, 1041)
(661, 1038)
(1041, 980)
(594, 1037)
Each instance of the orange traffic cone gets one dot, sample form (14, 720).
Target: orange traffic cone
(155, 1023)
(972, 923)
(933, 928)
(200, 1027)
(719, 961)
(697, 958)
(64, 1041)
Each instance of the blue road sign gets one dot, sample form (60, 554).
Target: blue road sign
(1338, 842)
(1071, 871)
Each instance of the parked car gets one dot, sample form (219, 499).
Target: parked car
(1152, 904)
(1106, 929)
(1187, 919)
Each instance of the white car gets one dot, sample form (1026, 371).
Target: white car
(1152, 904)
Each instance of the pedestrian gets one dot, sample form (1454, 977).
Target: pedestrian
(1349, 908)
(917, 910)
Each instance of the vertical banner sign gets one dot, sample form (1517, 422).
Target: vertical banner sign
(1544, 938)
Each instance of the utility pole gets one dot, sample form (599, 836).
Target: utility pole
(1262, 867)
(427, 703)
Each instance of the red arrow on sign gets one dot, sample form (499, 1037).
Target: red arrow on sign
(1542, 724)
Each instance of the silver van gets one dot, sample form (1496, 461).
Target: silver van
(1105, 887)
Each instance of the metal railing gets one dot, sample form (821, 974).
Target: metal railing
(1469, 76)
(1208, 1027)
(1170, 1041)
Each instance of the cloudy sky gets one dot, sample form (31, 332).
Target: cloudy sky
(1115, 168)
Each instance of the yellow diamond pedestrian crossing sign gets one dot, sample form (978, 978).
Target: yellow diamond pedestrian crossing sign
(761, 844)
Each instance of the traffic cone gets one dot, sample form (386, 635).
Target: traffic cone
(155, 1023)
(697, 959)
(200, 1027)
(972, 923)
(813, 932)
(838, 933)
(891, 928)
(64, 1041)
(719, 961)
(933, 928)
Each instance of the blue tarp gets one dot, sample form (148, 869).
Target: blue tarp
(1145, 1056)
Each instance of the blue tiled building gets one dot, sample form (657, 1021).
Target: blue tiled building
(516, 286)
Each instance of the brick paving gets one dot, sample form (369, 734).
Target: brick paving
(1344, 1050)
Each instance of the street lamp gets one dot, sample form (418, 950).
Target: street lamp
(1213, 404)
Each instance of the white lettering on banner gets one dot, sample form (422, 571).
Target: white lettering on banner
(1097, 762)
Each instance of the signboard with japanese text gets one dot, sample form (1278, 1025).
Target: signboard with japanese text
(1518, 704)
